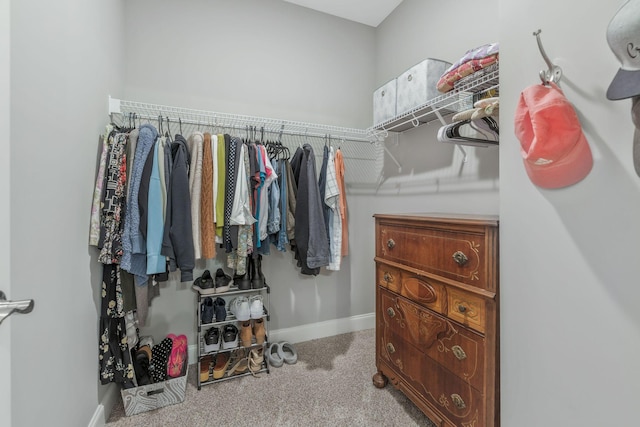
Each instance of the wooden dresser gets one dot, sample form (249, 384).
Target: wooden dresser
(437, 324)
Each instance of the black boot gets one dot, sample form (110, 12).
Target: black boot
(243, 282)
(257, 280)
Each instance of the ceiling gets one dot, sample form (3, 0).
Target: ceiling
(369, 12)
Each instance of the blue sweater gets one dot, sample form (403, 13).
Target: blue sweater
(156, 263)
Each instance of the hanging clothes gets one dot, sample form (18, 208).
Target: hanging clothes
(222, 178)
(134, 257)
(113, 352)
(280, 238)
(331, 201)
(207, 226)
(195, 146)
(177, 242)
(339, 161)
(292, 194)
(312, 244)
(113, 206)
(96, 205)
(322, 184)
(241, 216)
(232, 244)
(156, 262)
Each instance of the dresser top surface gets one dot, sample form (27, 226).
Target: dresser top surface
(443, 217)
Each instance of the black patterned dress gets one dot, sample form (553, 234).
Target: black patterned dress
(114, 356)
(113, 350)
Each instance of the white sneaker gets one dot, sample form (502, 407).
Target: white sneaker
(256, 307)
(240, 308)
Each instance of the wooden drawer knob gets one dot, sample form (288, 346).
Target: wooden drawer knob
(457, 401)
(388, 277)
(462, 308)
(391, 244)
(391, 348)
(390, 312)
(460, 258)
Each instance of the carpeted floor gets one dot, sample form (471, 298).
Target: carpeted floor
(330, 385)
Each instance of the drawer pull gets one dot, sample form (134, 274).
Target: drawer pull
(388, 277)
(391, 243)
(458, 352)
(390, 312)
(391, 348)
(460, 258)
(409, 77)
(462, 308)
(457, 400)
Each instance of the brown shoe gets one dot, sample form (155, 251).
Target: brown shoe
(245, 333)
(205, 366)
(222, 361)
(258, 330)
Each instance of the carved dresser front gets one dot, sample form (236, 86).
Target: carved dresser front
(437, 337)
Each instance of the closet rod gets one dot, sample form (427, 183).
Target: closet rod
(239, 122)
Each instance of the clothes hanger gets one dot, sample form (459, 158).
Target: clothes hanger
(161, 131)
(451, 133)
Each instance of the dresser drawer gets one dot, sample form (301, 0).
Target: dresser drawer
(457, 254)
(459, 350)
(453, 397)
(427, 292)
(467, 309)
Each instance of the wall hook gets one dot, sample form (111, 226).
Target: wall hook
(553, 73)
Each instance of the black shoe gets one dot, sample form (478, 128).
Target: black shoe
(141, 365)
(220, 310)
(243, 282)
(212, 340)
(204, 284)
(223, 281)
(229, 337)
(207, 310)
(257, 281)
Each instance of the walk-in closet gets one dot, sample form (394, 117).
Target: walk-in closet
(470, 291)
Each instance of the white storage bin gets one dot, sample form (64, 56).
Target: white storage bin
(153, 396)
(417, 85)
(384, 102)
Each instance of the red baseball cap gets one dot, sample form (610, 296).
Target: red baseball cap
(555, 151)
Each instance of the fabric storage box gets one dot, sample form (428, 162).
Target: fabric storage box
(417, 85)
(153, 396)
(384, 102)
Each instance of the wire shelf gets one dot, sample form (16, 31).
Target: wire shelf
(235, 121)
(458, 99)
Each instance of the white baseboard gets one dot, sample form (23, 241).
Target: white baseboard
(324, 329)
(98, 419)
(103, 410)
(295, 334)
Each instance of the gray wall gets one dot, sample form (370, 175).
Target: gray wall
(253, 57)
(5, 210)
(65, 60)
(570, 326)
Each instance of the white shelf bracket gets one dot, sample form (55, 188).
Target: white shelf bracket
(464, 153)
(437, 113)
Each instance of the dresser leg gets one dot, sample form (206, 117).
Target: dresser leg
(379, 380)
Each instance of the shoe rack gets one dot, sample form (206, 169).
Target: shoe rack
(207, 360)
